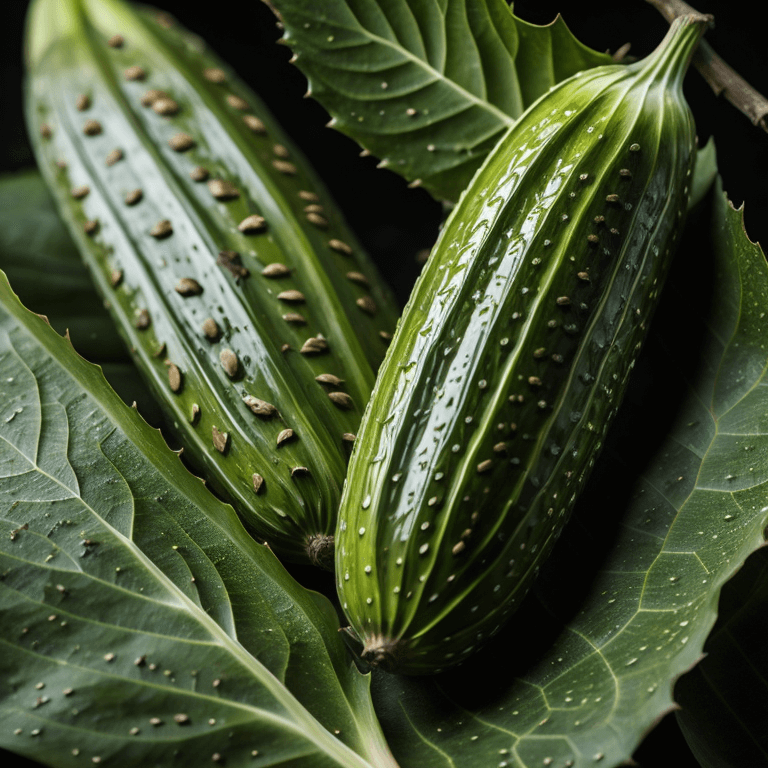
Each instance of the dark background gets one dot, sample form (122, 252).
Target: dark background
(395, 222)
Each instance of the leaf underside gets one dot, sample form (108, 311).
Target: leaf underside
(428, 86)
(630, 594)
(140, 621)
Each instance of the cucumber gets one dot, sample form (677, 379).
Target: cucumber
(510, 360)
(246, 301)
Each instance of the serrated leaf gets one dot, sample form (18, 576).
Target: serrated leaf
(629, 596)
(141, 623)
(724, 699)
(429, 87)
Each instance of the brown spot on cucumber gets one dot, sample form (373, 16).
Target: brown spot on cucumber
(114, 157)
(166, 107)
(625, 173)
(215, 75)
(255, 125)
(211, 329)
(593, 239)
(348, 437)
(613, 199)
(133, 197)
(260, 407)
(92, 128)
(78, 193)
(151, 96)
(385, 336)
(45, 131)
(223, 190)
(280, 151)
(562, 301)
(329, 379)
(583, 276)
(284, 167)
(188, 286)
(116, 41)
(162, 229)
(275, 271)
(367, 304)
(315, 218)
(299, 472)
(252, 224)
(181, 142)
(341, 400)
(135, 73)
(258, 482)
(174, 378)
(142, 320)
(315, 345)
(310, 197)
(83, 102)
(285, 436)
(220, 440)
(484, 466)
(534, 381)
(237, 102)
(358, 278)
(199, 174)
(295, 318)
(291, 296)
(116, 277)
(229, 362)
(340, 247)
(91, 227)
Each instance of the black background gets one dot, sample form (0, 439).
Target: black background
(395, 222)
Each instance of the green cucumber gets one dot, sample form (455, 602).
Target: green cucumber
(510, 360)
(245, 299)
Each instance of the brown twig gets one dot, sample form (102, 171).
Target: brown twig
(723, 79)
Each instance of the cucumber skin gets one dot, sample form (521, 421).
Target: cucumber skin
(69, 55)
(435, 548)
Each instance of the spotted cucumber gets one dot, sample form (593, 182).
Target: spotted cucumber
(244, 297)
(511, 358)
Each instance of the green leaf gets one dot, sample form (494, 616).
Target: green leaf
(724, 699)
(43, 265)
(626, 601)
(44, 268)
(129, 593)
(428, 87)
